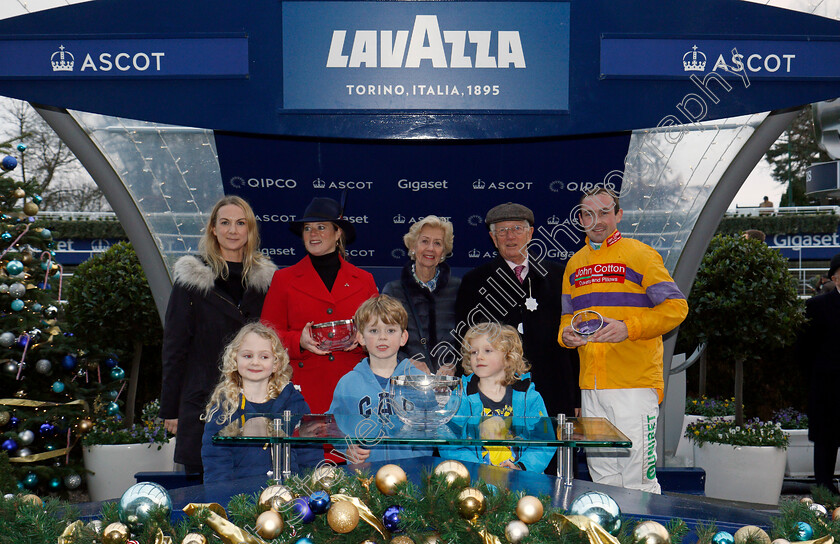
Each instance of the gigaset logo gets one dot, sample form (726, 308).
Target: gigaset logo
(425, 41)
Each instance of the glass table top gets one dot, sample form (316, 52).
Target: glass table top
(460, 430)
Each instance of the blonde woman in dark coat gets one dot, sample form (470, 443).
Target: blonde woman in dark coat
(215, 293)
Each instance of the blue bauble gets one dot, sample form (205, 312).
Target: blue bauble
(303, 540)
(723, 537)
(600, 508)
(117, 373)
(44, 286)
(391, 518)
(8, 163)
(138, 501)
(803, 531)
(22, 341)
(9, 445)
(68, 362)
(17, 305)
(21, 147)
(30, 481)
(44, 265)
(46, 430)
(37, 199)
(50, 446)
(319, 502)
(13, 422)
(111, 362)
(14, 267)
(113, 408)
(46, 234)
(302, 511)
(36, 307)
(54, 484)
(58, 387)
(6, 236)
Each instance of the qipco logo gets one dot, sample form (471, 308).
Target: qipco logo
(238, 182)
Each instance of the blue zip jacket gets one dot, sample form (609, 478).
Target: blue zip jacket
(223, 463)
(527, 402)
(362, 408)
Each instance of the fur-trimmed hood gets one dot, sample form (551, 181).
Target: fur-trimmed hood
(192, 272)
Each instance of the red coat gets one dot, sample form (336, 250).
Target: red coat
(297, 296)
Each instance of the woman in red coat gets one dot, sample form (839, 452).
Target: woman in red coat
(321, 287)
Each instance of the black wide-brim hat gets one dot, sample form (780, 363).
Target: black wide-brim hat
(324, 210)
(834, 265)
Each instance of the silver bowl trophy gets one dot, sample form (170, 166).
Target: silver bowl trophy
(587, 322)
(425, 401)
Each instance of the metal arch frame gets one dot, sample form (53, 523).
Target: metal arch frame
(120, 199)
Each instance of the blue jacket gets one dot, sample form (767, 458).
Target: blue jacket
(527, 403)
(362, 408)
(222, 463)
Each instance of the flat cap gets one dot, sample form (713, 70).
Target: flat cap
(509, 211)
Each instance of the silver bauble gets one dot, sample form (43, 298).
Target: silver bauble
(43, 366)
(72, 481)
(7, 339)
(600, 508)
(138, 501)
(10, 368)
(24, 452)
(26, 437)
(17, 290)
(4, 288)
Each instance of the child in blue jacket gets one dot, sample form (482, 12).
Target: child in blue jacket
(256, 379)
(362, 400)
(499, 394)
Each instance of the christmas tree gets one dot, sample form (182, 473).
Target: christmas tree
(51, 388)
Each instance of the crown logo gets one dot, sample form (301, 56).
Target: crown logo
(553, 220)
(474, 253)
(399, 219)
(319, 183)
(478, 184)
(62, 61)
(694, 60)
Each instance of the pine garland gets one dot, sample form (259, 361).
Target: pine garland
(429, 508)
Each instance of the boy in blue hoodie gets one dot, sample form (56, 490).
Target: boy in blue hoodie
(501, 400)
(362, 400)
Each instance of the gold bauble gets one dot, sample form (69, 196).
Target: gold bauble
(402, 539)
(194, 538)
(471, 503)
(453, 471)
(342, 517)
(432, 538)
(5, 417)
(34, 500)
(807, 500)
(651, 532)
(326, 476)
(18, 193)
(269, 524)
(274, 496)
(388, 477)
(369, 542)
(115, 533)
(85, 425)
(516, 531)
(30, 209)
(781, 541)
(529, 509)
(21, 394)
(835, 515)
(751, 532)
(27, 258)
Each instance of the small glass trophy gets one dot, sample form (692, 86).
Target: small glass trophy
(587, 322)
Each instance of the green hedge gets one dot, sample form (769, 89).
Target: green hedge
(781, 224)
(63, 229)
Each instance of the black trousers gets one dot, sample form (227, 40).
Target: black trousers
(825, 458)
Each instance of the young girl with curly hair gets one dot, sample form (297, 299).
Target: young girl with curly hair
(256, 379)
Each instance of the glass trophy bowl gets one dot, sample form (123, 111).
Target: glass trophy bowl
(424, 400)
(587, 322)
(334, 335)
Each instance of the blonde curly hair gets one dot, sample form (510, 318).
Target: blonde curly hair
(503, 338)
(225, 398)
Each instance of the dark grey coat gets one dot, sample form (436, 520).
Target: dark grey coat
(434, 315)
(821, 355)
(200, 321)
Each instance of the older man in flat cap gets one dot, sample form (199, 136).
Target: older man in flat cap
(518, 289)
